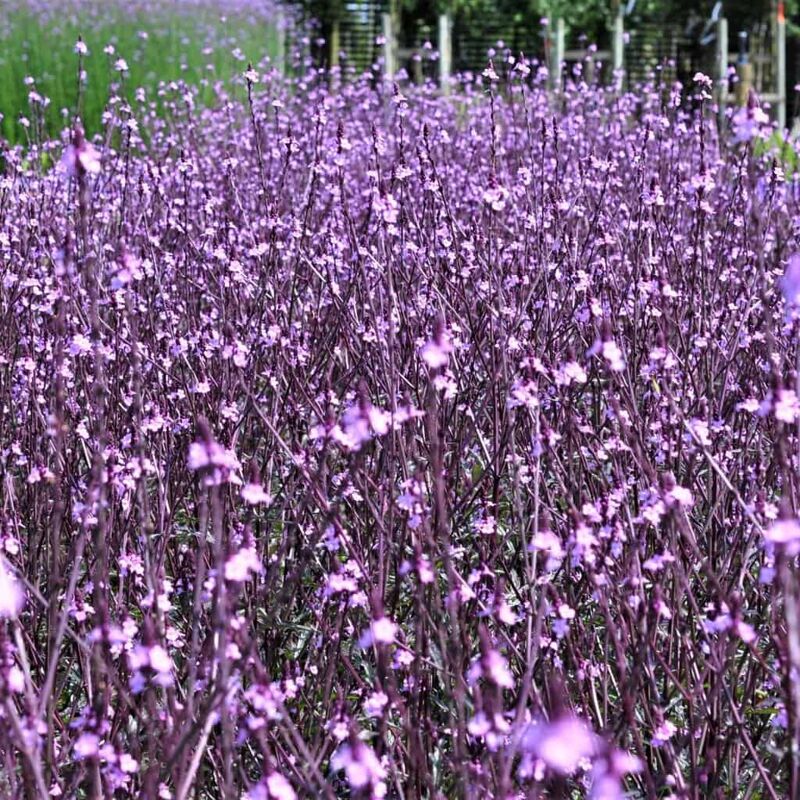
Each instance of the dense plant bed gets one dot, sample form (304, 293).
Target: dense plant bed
(367, 443)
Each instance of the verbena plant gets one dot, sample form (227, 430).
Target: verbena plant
(362, 441)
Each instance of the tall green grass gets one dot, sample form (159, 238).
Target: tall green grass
(160, 41)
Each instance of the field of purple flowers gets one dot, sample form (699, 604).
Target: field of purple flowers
(364, 442)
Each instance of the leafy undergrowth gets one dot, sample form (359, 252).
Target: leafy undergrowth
(400, 445)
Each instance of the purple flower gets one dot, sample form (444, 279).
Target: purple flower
(87, 746)
(149, 660)
(496, 197)
(272, 787)
(680, 495)
(254, 494)
(749, 121)
(790, 283)
(436, 352)
(703, 80)
(561, 744)
(388, 208)
(12, 596)
(380, 631)
(786, 406)
(80, 158)
(608, 773)
(785, 533)
(663, 733)
(215, 463)
(361, 766)
(239, 566)
(375, 704)
(497, 670)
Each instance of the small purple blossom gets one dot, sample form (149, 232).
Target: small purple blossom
(80, 157)
(361, 766)
(663, 733)
(750, 121)
(380, 631)
(214, 462)
(561, 744)
(241, 564)
(12, 596)
(784, 533)
(790, 282)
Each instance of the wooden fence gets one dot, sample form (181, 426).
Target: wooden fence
(366, 36)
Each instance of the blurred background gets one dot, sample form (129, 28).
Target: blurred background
(675, 37)
(207, 44)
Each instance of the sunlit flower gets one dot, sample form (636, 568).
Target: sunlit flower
(749, 121)
(12, 596)
(87, 746)
(380, 631)
(254, 494)
(790, 283)
(784, 533)
(361, 766)
(663, 733)
(216, 463)
(239, 566)
(81, 158)
(272, 787)
(436, 352)
(561, 744)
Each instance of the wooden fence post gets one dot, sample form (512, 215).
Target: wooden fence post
(780, 70)
(722, 68)
(744, 71)
(556, 53)
(335, 43)
(445, 52)
(618, 49)
(389, 48)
